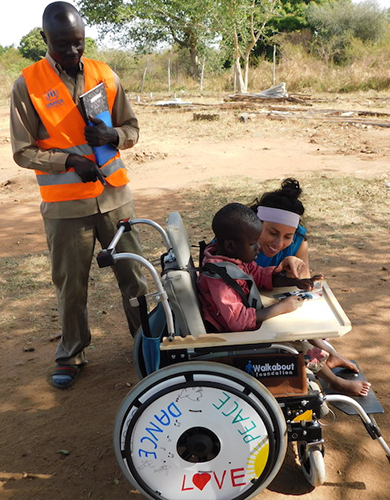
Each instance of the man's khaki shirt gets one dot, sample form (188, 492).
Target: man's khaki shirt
(27, 127)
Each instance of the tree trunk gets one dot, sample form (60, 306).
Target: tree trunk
(169, 75)
(194, 62)
(246, 73)
(144, 76)
(241, 87)
(202, 74)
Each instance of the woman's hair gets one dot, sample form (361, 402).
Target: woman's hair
(285, 198)
(228, 221)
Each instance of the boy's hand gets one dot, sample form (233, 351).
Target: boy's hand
(308, 283)
(293, 266)
(290, 304)
(284, 306)
(303, 284)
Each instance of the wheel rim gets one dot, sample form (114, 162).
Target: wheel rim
(189, 433)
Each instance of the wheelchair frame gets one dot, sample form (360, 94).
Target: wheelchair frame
(194, 368)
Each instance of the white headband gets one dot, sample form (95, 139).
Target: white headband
(278, 216)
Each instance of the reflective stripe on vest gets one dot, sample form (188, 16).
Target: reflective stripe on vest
(65, 126)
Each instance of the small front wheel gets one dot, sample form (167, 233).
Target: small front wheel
(312, 463)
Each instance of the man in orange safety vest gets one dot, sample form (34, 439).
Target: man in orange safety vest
(50, 135)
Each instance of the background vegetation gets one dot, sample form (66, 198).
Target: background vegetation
(333, 46)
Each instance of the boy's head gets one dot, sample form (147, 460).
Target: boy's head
(237, 230)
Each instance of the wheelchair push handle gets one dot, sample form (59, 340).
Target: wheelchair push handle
(108, 256)
(105, 257)
(127, 223)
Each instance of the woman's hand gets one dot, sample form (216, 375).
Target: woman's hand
(293, 267)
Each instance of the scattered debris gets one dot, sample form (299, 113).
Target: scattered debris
(206, 117)
(277, 92)
(245, 117)
(325, 115)
(63, 452)
(143, 156)
(173, 103)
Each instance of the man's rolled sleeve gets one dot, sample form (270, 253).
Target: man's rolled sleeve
(123, 118)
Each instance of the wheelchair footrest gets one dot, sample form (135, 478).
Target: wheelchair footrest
(369, 403)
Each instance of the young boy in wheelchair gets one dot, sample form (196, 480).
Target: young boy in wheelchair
(228, 287)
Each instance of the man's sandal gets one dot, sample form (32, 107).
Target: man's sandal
(65, 375)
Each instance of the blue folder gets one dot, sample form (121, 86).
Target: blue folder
(94, 103)
(108, 151)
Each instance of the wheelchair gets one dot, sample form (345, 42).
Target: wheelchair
(213, 413)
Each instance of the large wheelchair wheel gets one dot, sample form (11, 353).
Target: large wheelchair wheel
(200, 430)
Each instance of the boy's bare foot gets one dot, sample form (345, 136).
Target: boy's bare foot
(350, 387)
(335, 359)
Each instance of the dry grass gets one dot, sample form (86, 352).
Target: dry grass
(26, 279)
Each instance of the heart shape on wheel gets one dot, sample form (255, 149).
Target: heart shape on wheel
(200, 480)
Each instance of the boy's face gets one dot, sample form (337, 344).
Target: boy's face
(245, 245)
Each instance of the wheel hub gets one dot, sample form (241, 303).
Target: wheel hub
(198, 444)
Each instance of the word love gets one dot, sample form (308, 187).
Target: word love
(200, 480)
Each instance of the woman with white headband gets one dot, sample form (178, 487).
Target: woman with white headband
(282, 236)
(280, 212)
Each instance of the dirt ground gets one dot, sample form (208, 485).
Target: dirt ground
(58, 444)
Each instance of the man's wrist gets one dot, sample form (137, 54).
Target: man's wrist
(115, 138)
(68, 161)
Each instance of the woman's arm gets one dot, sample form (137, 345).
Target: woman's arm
(303, 254)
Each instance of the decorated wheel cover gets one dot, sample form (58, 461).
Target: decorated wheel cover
(198, 431)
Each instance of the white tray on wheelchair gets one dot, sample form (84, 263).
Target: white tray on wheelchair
(320, 318)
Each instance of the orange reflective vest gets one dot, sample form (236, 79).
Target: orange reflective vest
(65, 126)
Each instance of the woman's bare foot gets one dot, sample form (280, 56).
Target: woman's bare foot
(335, 359)
(350, 387)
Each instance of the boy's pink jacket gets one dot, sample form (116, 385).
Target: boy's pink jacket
(221, 305)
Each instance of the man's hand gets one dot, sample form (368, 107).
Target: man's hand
(85, 168)
(99, 134)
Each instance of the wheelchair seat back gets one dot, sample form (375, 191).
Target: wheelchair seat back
(179, 280)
